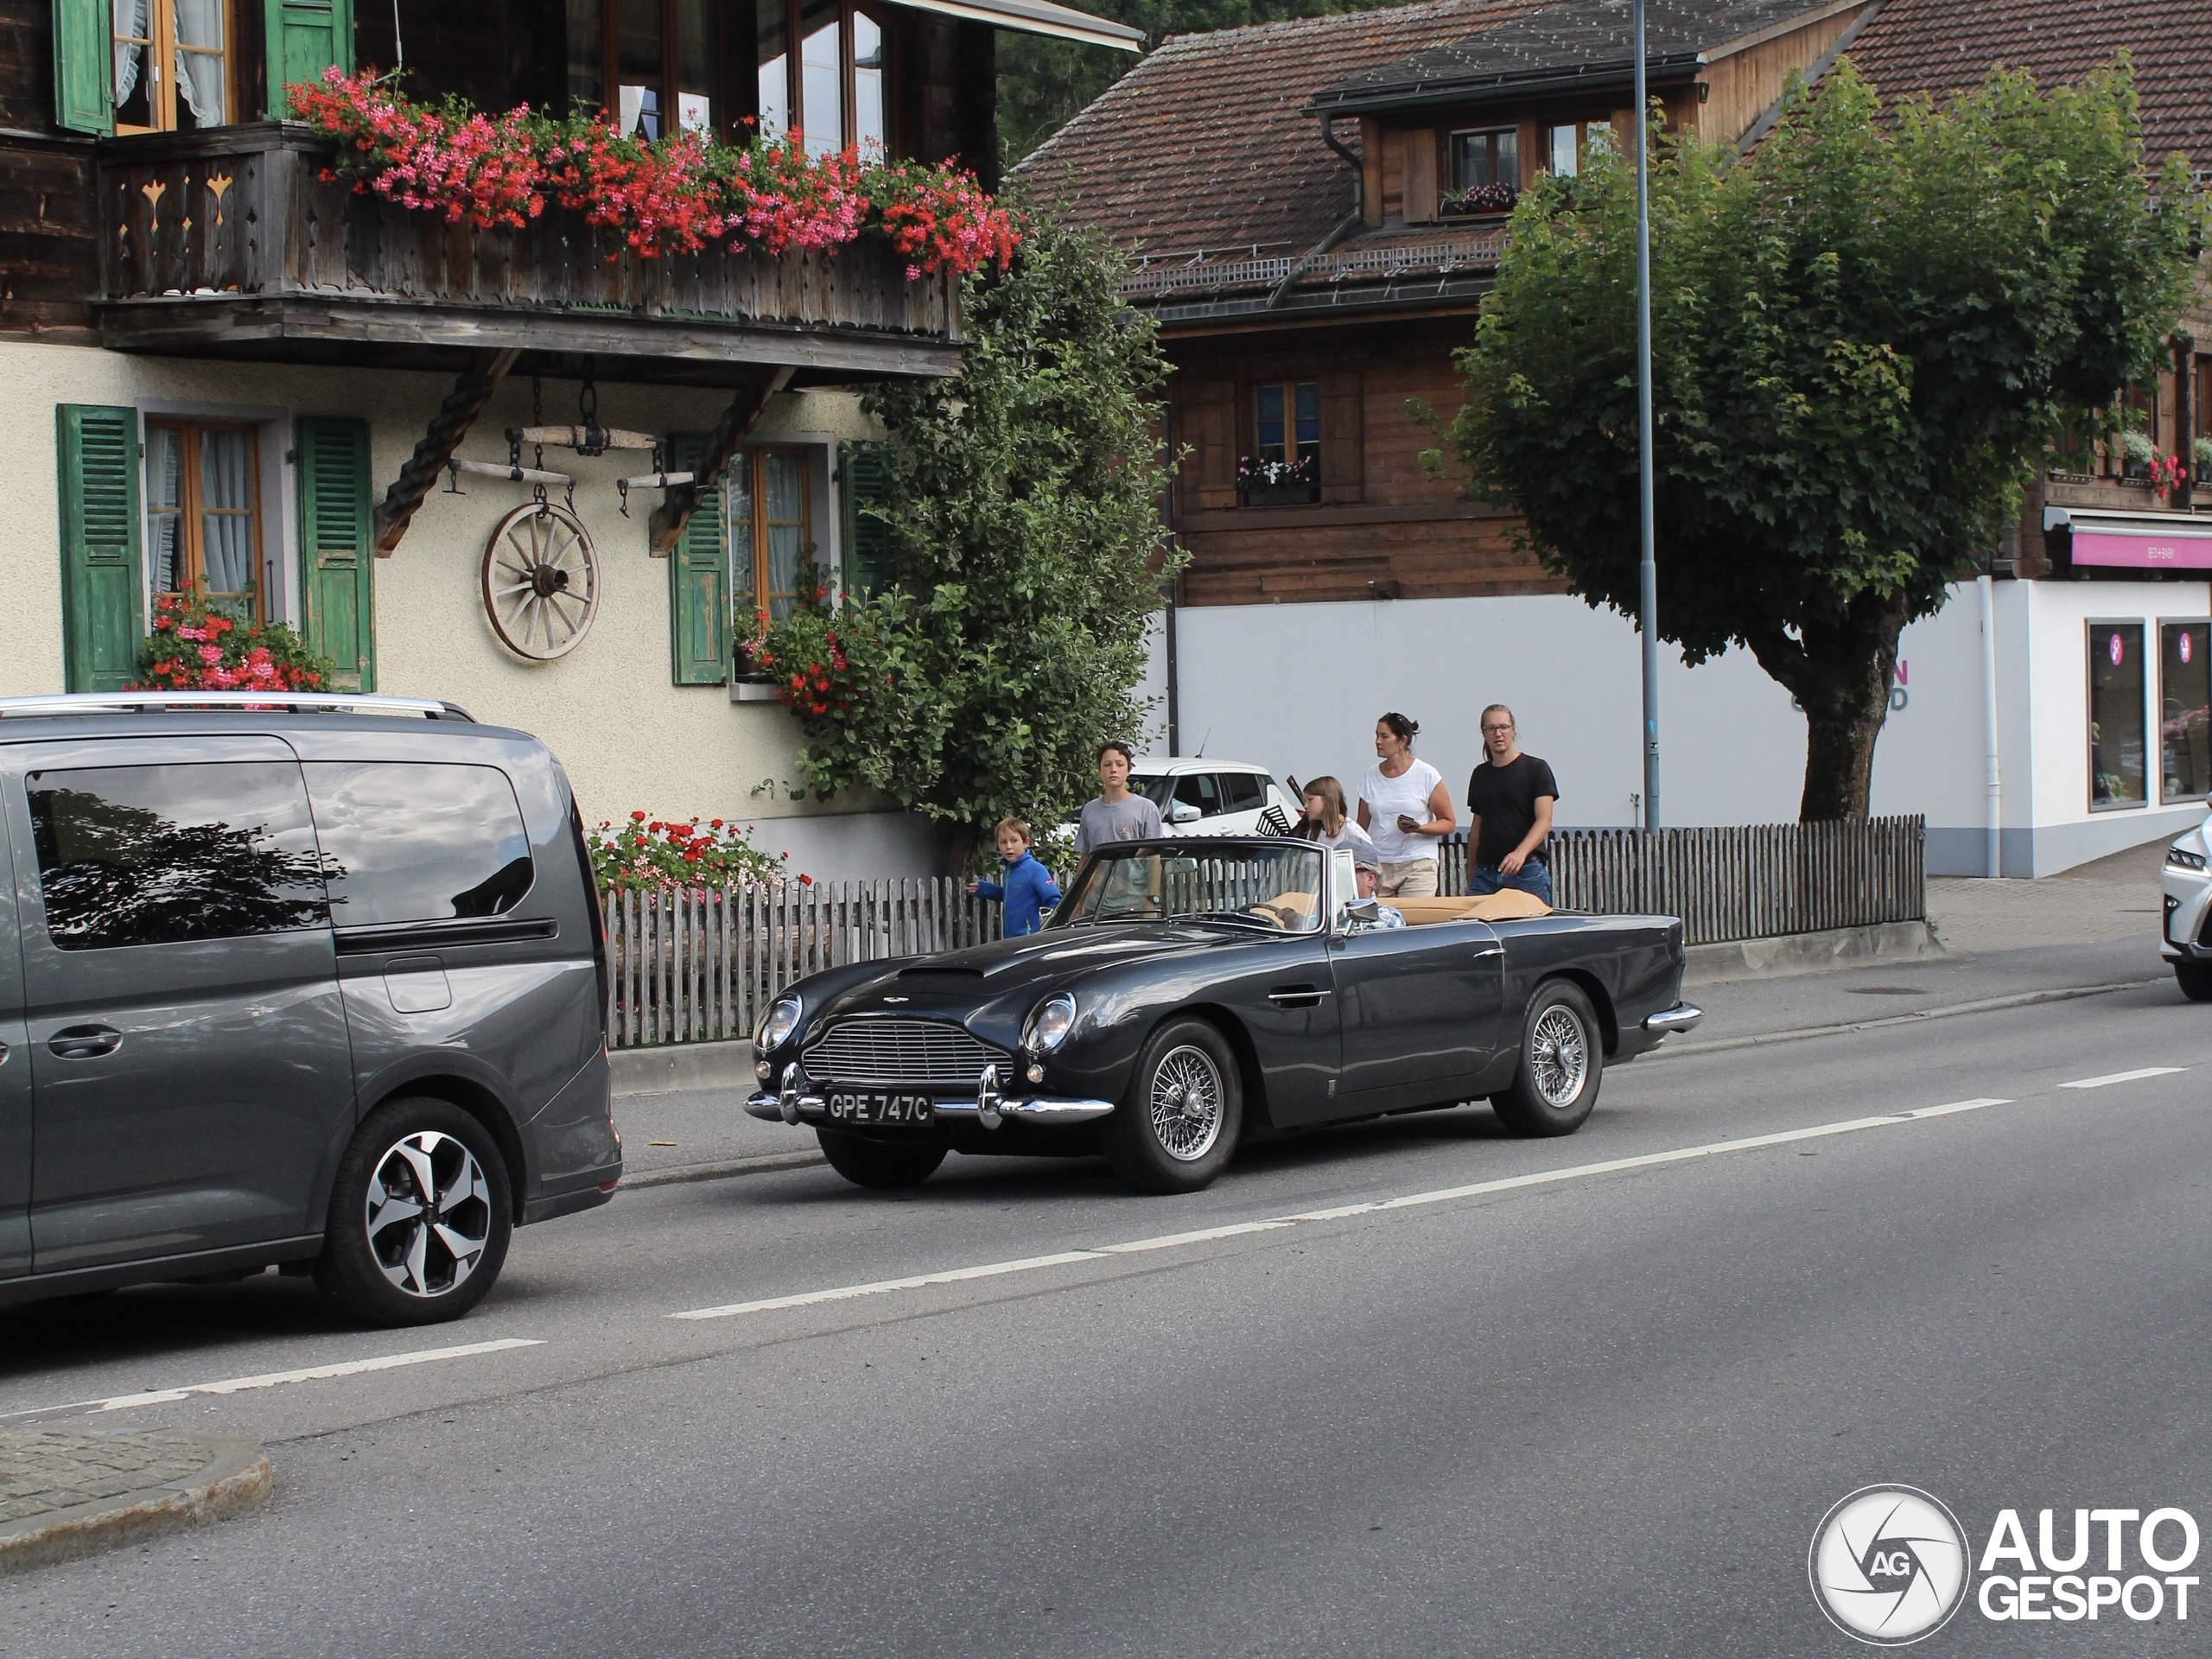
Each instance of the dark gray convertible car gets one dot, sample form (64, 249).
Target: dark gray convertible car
(1185, 998)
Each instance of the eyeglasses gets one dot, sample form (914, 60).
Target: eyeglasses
(1490, 730)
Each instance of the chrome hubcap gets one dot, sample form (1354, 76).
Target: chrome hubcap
(429, 1213)
(1187, 1103)
(1558, 1056)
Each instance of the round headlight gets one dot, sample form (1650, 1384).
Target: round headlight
(1050, 1024)
(778, 1024)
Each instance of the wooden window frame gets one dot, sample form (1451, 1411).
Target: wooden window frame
(161, 100)
(795, 77)
(1251, 428)
(1459, 186)
(610, 63)
(753, 458)
(191, 548)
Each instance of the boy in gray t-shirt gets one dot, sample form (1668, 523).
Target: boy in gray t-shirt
(1115, 815)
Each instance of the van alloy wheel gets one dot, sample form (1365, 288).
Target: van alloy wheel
(429, 1213)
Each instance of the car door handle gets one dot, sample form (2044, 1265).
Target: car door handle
(1296, 996)
(1489, 951)
(84, 1042)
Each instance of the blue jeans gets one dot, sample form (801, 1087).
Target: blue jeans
(1532, 878)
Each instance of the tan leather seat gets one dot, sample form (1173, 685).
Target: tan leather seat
(1511, 904)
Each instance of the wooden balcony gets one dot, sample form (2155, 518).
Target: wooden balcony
(227, 243)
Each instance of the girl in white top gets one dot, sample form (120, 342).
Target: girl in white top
(1404, 806)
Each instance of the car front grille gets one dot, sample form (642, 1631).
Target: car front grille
(898, 1053)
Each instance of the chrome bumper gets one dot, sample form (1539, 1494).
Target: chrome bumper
(795, 1103)
(1682, 1017)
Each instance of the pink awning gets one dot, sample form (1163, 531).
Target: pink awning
(2188, 549)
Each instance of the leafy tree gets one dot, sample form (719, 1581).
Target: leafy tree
(1862, 336)
(1043, 82)
(1023, 517)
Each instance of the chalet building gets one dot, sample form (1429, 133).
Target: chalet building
(1314, 210)
(220, 368)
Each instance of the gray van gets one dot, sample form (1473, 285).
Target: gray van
(319, 986)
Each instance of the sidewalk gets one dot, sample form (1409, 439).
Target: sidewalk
(66, 1493)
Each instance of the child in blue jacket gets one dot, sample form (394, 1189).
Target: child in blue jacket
(1028, 889)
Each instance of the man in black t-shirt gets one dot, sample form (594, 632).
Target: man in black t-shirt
(1510, 797)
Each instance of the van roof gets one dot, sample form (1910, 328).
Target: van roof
(1164, 765)
(195, 702)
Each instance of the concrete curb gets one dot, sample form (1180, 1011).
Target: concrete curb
(1810, 953)
(761, 1164)
(235, 1480)
(669, 1066)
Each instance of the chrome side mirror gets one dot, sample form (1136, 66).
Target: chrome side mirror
(1363, 910)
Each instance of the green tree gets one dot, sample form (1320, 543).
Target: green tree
(1043, 82)
(1862, 337)
(1024, 528)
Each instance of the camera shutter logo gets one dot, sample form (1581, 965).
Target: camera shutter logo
(1888, 1565)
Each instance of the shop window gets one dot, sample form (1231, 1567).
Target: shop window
(2185, 711)
(172, 65)
(649, 64)
(832, 90)
(203, 514)
(2117, 749)
(771, 532)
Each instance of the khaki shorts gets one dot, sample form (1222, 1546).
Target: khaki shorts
(1415, 879)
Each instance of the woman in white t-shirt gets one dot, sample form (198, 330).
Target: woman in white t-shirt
(1404, 806)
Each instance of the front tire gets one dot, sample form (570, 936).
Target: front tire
(2195, 979)
(1176, 1129)
(1562, 1061)
(420, 1215)
(880, 1164)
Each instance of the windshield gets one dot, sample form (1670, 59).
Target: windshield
(1276, 888)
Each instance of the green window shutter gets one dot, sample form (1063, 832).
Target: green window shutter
(103, 606)
(698, 582)
(337, 563)
(84, 65)
(864, 474)
(305, 37)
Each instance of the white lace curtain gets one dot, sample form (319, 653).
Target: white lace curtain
(129, 55)
(199, 25)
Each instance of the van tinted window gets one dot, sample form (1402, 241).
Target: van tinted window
(159, 855)
(409, 842)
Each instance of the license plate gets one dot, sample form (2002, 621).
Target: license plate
(881, 1109)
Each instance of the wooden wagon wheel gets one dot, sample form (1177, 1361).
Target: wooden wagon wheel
(540, 582)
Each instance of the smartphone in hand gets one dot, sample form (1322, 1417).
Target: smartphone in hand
(1407, 825)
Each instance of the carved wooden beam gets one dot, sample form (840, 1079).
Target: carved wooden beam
(683, 499)
(447, 428)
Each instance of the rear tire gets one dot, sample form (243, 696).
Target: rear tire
(1562, 1061)
(2195, 979)
(420, 1215)
(1176, 1129)
(880, 1164)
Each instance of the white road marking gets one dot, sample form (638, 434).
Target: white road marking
(275, 1379)
(1441, 1195)
(2124, 1076)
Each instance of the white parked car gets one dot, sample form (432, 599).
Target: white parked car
(1212, 798)
(2187, 939)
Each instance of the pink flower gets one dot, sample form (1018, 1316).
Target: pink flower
(211, 655)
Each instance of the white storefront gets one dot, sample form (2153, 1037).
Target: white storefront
(629, 737)
(1297, 688)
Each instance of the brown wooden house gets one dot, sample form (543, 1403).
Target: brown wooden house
(251, 379)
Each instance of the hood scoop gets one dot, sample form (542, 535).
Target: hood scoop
(928, 971)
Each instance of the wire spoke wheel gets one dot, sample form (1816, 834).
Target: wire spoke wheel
(1558, 1056)
(540, 582)
(1186, 1103)
(429, 1213)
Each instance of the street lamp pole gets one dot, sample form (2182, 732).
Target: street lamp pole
(1648, 570)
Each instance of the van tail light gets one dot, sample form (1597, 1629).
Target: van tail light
(598, 915)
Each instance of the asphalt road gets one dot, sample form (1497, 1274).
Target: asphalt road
(1575, 1410)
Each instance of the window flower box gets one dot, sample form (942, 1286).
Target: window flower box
(1278, 483)
(1479, 200)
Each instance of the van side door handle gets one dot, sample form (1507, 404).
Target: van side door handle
(84, 1042)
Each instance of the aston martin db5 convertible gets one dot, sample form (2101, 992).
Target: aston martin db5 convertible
(1185, 998)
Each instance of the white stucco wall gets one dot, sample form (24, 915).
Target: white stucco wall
(1297, 688)
(627, 736)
